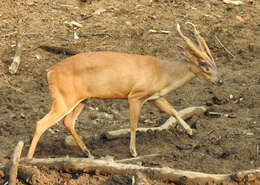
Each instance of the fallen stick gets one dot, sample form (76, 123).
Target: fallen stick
(166, 173)
(14, 163)
(59, 50)
(184, 114)
(17, 58)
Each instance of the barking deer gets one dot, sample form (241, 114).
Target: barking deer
(110, 75)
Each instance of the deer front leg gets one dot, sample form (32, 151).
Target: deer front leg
(56, 113)
(135, 106)
(165, 106)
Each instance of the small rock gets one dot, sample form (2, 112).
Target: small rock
(53, 131)
(249, 134)
(23, 115)
(76, 37)
(231, 115)
(38, 57)
(70, 142)
(128, 23)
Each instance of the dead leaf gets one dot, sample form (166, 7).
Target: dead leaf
(112, 7)
(219, 16)
(99, 11)
(32, 3)
(240, 18)
(2, 64)
(148, 121)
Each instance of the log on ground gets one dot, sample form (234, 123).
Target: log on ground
(168, 174)
(184, 114)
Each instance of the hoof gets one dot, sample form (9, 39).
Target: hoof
(190, 132)
(133, 153)
(90, 156)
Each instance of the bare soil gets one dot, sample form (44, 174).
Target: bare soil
(223, 144)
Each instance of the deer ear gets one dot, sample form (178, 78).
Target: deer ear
(182, 50)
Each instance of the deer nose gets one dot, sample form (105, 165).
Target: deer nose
(220, 82)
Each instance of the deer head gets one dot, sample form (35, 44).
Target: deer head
(199, 57)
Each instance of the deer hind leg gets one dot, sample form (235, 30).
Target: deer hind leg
(69, 122)
(165, 106)
(135, 106)
(57, 112)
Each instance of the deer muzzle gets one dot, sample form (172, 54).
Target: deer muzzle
(220, 82)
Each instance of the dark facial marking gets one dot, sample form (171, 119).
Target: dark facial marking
(204, 65)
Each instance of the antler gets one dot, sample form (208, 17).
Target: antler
(204, 51)
(190, 43)
(202, 43)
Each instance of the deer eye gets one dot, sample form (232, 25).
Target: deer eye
(204, 65)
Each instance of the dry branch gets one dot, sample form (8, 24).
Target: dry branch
(177, 176)
(184, 114)
(59, 50)
(17, 58)
(14, 163)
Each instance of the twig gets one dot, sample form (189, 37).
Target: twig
(159, 31)
(206, 15)
(14, 163)
(224, 47)
(233, 2)
(102, 34)
(96, 34)
(10, 86)
(17, 58)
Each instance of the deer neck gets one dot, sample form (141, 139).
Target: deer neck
(180, 75)
(175, 75)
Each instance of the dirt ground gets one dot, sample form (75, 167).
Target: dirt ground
(225, 143)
